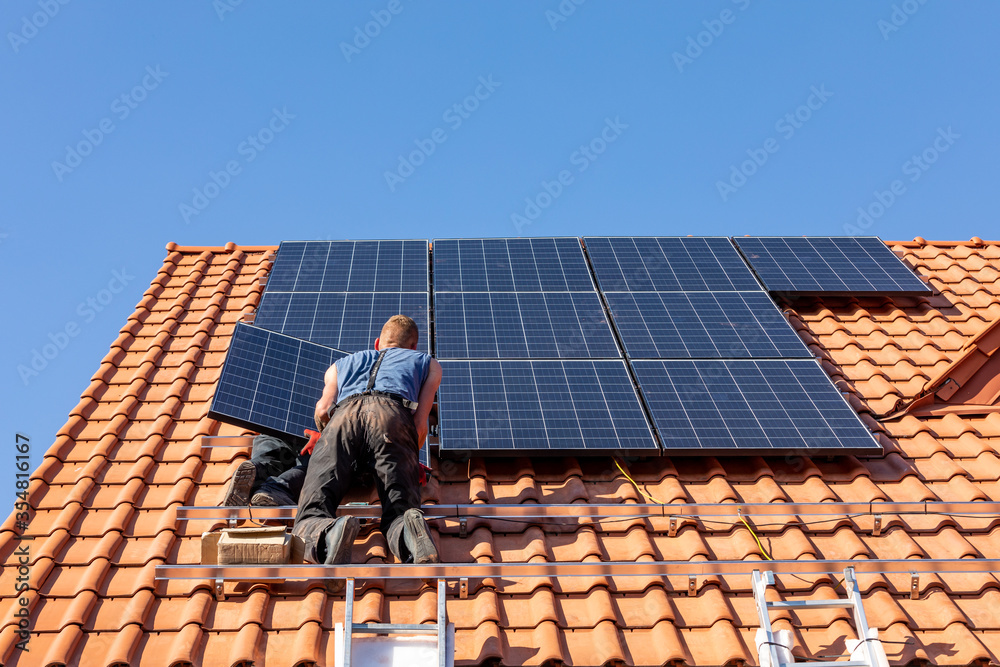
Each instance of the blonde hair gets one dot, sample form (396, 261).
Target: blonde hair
(399, 331)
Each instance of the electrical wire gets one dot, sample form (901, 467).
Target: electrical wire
(763, 551)
(760, 546)
(637, 487)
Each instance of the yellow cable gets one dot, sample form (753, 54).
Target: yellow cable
(637, 488)
(763, 551)
(761, 546)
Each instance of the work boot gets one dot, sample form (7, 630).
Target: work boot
(337, 543)
(417, 538)
(238, 493)
(271, 498)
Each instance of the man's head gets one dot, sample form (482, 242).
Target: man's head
(398, 331)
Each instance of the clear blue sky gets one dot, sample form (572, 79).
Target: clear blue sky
(115, 115)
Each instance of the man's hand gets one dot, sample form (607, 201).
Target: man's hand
(426, 401)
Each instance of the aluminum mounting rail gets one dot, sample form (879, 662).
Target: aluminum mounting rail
(567, 569)
(975, 509)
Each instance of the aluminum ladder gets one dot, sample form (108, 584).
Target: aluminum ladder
(852, 601)
(440, 628)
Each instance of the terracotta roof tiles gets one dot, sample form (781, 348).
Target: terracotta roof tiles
(107, 492)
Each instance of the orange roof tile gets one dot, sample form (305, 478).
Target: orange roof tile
(107, 492)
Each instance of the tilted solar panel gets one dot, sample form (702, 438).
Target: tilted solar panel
(750, 406)
(830, 265)
(668, 264)
(270, 382)
(350, 266)
(691, 325)
(552, 407)
(510, 265)
(526, 325)
(347, 321)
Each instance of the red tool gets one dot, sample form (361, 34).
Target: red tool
(313, 437)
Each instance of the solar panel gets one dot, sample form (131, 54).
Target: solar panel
(689, 325)
(510, 265)
(270, 382)
(668, 264)
(830, 265)
(750, 406)
(477, 325)
(346, 321)
(350, 266)
(506, 406)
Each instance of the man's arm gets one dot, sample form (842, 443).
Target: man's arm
(329, 397)
(426, 400)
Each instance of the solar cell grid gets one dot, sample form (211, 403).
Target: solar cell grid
(476, 325)
(744, 406)
(831, 265)
(679, 325)
(668, 264)
(350, 266)
(510, 265)
(528, 405)
(347, 321)
(271, 382)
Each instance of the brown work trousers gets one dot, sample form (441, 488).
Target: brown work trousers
(373, 433)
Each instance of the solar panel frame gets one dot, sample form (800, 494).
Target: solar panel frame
(669, 264)
(831, 265)
(691, 325)
(553, 407)
(510, 265)
(270, 382)
(749, 406)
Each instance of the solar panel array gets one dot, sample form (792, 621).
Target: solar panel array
(511, 317)
(829, 265)
(271, 382)
(552, 347)
(718, 365)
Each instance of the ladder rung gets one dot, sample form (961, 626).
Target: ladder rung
(395, 628)
(812, 604)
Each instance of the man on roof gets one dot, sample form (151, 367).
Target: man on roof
(373, 414)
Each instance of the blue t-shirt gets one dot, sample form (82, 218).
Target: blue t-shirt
(402, 372)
